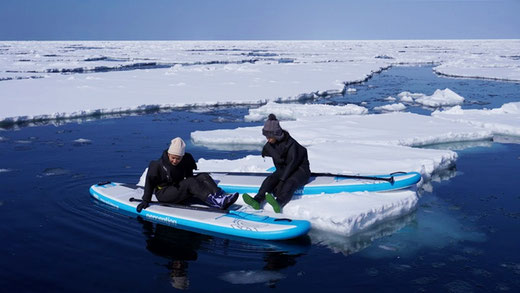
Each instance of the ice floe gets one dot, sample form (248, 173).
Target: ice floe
(367, 144)
(117, 77)
(405, 129)
(504, 120)
(292, 111)
(391, 107)
(439, 98)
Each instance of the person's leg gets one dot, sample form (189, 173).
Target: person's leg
(184, 190)
(207, 190)
(172, 194)
(268, 185)
(207, 183)
(285, 191)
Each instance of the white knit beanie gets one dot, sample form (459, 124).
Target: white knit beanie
(177, 147)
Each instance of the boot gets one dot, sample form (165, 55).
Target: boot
(221, 200)
(251, 201)
(230, 200)
(273, 202)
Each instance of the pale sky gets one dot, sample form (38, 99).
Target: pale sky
(258, 19)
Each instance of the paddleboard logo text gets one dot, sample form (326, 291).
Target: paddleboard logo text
(162, 219)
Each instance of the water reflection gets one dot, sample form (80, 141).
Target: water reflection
(460, 145)
(437, 177)
(436, 225)
(351, 244)
(506, 139)
(433, 225)
(181, 248)
(270, 274)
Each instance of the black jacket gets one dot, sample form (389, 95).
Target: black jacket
(162, 173)
(288, 155)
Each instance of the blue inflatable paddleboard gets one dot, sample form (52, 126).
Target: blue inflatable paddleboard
(228, 222)
(320, 183)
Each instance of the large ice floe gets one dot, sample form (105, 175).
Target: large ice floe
(353, 144)
(70, 79)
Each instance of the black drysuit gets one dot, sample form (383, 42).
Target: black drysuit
(174, 184)
(292, 169)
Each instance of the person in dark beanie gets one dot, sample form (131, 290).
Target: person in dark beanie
(292, 167)
(171, 179)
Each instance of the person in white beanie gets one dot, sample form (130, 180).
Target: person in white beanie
(171, 179)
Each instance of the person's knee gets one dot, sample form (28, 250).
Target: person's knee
(203, 176)
(290, 184)
(189, 180)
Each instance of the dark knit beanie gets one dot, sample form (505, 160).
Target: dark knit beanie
(272, 128)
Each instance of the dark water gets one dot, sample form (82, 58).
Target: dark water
(463, 236)
(477, 94)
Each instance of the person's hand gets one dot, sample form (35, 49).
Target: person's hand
(143, 205)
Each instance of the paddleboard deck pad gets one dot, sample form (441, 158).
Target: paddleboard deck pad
(228, 222)
(327, 184)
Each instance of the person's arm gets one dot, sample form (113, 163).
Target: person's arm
(292, 161)
(270, 151)
(150, 183)
(190, 165)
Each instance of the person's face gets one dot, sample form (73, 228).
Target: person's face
(271, 140)
(174, 159)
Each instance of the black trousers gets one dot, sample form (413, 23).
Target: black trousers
(199, 186)
(282, 190)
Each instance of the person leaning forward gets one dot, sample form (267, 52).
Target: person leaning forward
(171, 179)
(292, 167)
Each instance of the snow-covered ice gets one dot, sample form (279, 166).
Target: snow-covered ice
(80, 78)
(368, 144)
(55, 80)
(504, 120)
(391, 107)
(405, 129)
(375, 144)
(439, 98)
(290, 111)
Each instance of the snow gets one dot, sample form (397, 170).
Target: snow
(290, 111)
(81, 78)
(501, 121)
(178, 87)
(348, 214)
(391, 107)
(405, 129)
(72, 79)
(368, 144)
(439, 98)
